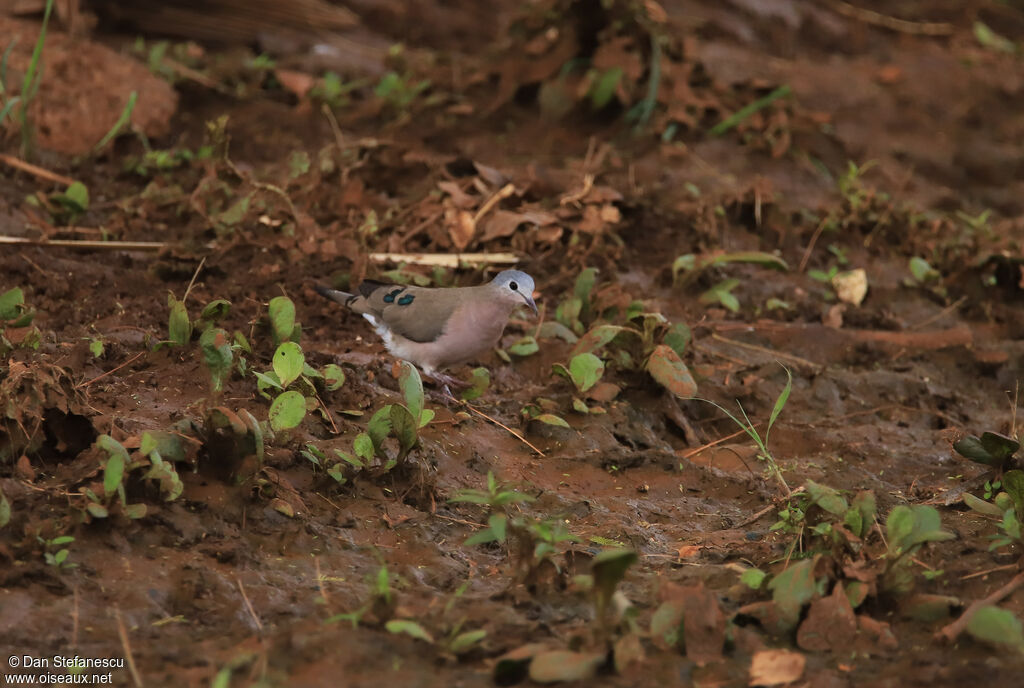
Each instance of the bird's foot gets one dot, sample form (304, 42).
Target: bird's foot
(447, 382)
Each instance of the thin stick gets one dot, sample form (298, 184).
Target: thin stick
(512, 432)
(127, 646)
(950, 632)
(248, 604)
(448, 260)
(777, 354)
(773, 505)
(113, 370)
(891, 23)
(945, 311)
(193, 280)
(35, 170)
(88, 243)
(698, 450)
(810, 245)
(459, 520)
(978, 574)
(577, 196)
(498, 196)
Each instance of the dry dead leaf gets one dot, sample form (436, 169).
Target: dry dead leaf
(461, 227)
(297, 82)
(776, 667)
(851, 286)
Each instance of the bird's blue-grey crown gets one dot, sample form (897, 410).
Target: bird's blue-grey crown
(517, 282)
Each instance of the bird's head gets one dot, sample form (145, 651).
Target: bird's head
(515, 287)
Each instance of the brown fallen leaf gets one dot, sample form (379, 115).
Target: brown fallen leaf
(776, 667)
(830, 623)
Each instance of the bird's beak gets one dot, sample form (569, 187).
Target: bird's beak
(530, 302)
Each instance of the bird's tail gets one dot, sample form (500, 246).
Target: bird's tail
(342, 297)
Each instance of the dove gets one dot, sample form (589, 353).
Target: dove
(436, 328)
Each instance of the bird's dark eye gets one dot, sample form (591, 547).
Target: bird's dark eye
(513, 286)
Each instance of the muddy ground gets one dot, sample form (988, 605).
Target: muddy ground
(899, 143)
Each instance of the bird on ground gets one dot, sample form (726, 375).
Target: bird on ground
(436, 328)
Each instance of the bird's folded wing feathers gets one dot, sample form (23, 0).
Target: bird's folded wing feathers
(416, 313)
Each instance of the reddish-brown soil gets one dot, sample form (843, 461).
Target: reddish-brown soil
(239, 574)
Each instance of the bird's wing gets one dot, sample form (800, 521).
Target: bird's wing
(419, 314)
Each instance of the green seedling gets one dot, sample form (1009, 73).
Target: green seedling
(603, 85)
(687, 268)
(907, 529)
(402, 422)
(607, 571)
(116, 467)
(744, 113)
(335, 93)
(7, 102)
(16, 329)
(164, 160)
(992, 40)
(824, 276)
(122, 121)
(763, 454)
(30, 85)
(1007, 506)
(380, 600)
(991, 449)
(399, 92)
(59, 558)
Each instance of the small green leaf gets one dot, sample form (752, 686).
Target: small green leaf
(404, 425)
(753, 578)
(282, 318)
(216, 310)
(11, 303)
(552, 419)
(363, 446)
(97, 510)
(922, 271)
(334, 376)
(96, 347)
(78, 195)
(379, 427)
(179, 326)
(997, 626)
(287, 411)
(479, 382)
(908, 527)
(412, 389)
(678, 338)
(464, 642)
(288, 362)
(585, 370)
(525, 346)
(603, 88)
(408, 627)
(827, 498)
